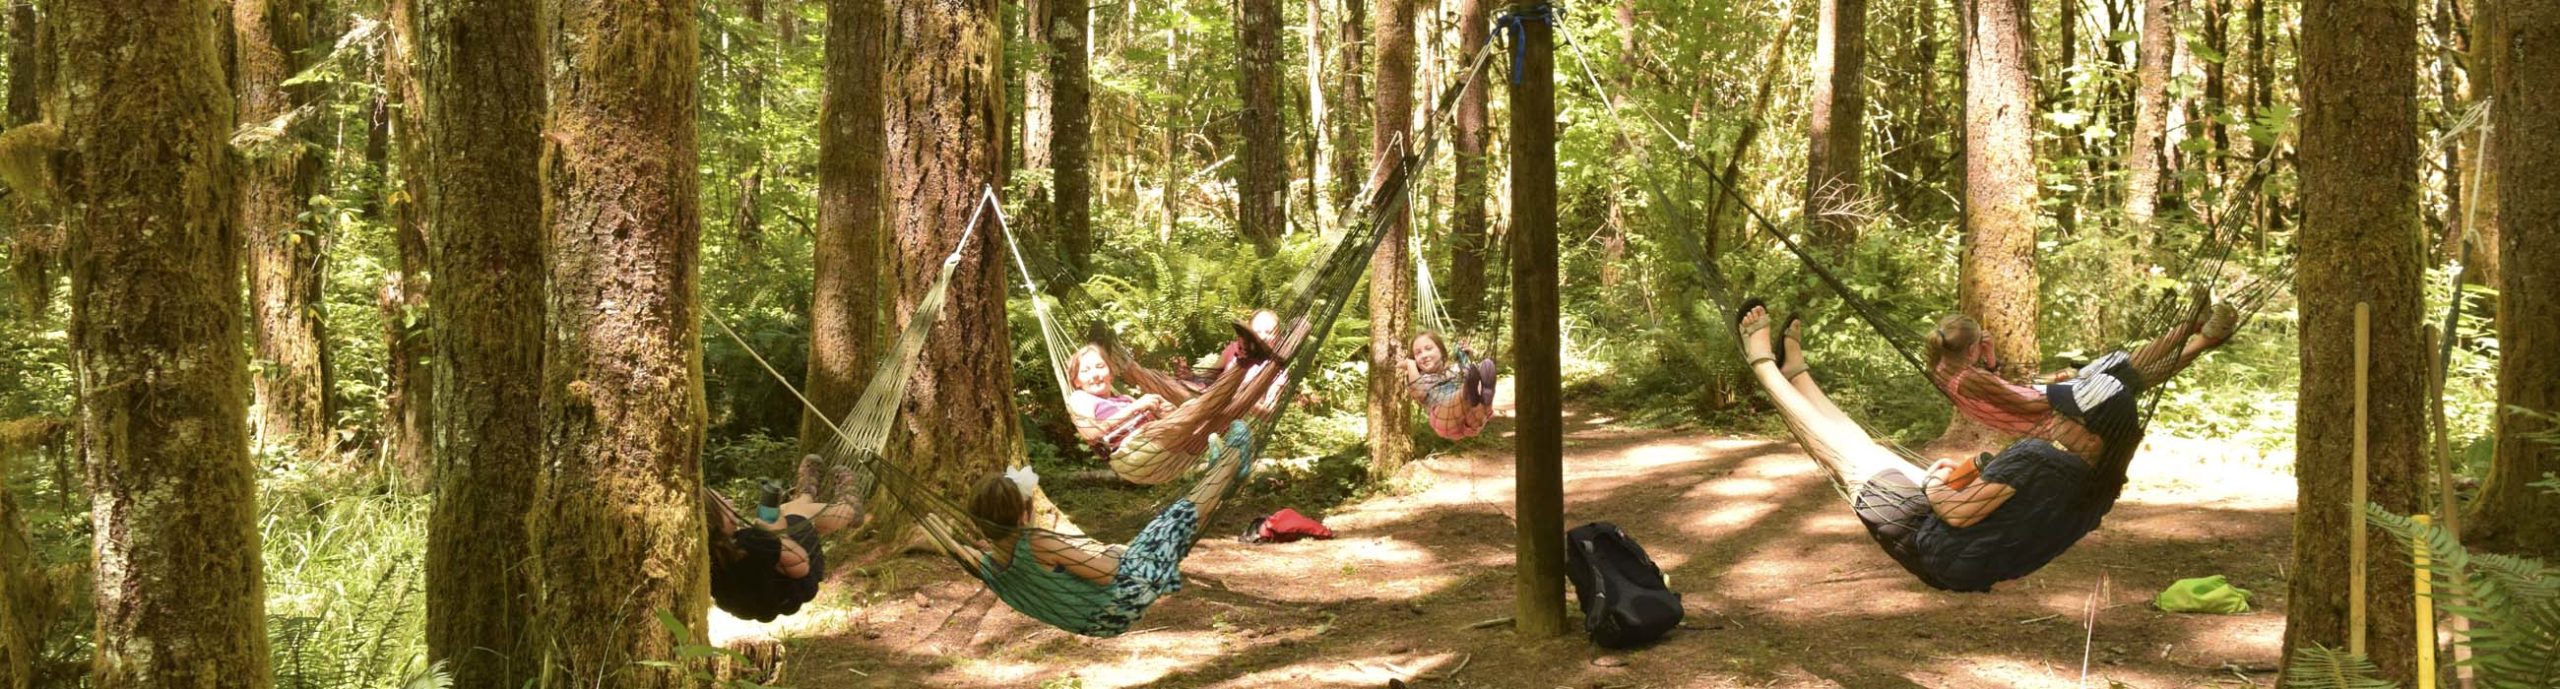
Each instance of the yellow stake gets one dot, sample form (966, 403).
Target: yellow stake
(2426, 614)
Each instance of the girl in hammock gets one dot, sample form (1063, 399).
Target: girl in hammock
(761, 570)
(1965, 525)
(1458, 399)
(1150, 439)
(1071, 583)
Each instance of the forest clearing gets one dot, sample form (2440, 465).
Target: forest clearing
(1782, 596)
(658, 344)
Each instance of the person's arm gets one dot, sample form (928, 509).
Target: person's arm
(939, 531)
(2017, 399)
(1057, 553)
(794, 562)
(1965, 507)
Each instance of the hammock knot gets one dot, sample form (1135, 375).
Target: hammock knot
(1515, 21)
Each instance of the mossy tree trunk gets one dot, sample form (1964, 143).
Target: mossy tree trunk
(481, 72)
(408, 377)
(958, 424)
(1998, 285)
(618, 526)
(1469, 233)
(272, 42)
(1071, 136)
(849, 257)
(2360, 243)
(2514, 515)
(1263, 191)
(1391, 269)
(1836, 119)
(156, 308)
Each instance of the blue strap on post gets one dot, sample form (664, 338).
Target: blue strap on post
(1511, 23)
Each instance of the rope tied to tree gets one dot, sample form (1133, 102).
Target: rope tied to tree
(1515, 21)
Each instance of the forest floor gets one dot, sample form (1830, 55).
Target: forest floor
(1782, 589)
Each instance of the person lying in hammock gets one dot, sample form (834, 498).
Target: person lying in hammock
(1150, 439)
(1965, 525)
(1084, 587)
(1964, 364)
(1456, 396)
(760, 569)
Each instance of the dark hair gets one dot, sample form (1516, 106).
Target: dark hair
(999, 507)
(724, 543)
(1435, 341)
(1955, 337)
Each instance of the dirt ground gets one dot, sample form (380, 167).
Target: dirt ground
(1782, 589)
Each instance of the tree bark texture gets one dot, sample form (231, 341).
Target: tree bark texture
(26, 597)
(1071, 140)
(2000, 286)
(2515, 516)
(481, 69)
(2480, 179)
(1469, 233)
(1391, 268)
(959, 424)
(1536, 340)
(408, 378)
(618, 526)
(1263, 192)
(1038, 117)
(1836, 120)
(850, 286)
(2360, 243)
(272, 42)
(156, 315)
(1350, 170)
(35, 240)
(2150, 113)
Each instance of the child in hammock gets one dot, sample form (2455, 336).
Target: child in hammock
(1965, 525)
(1072, 583)
(1458, 398)
(1150, 439)
(760, 569)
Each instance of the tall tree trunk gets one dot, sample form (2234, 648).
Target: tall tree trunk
(1263, 192)
(1469, 236)
(2480, 179)
(2150, 114)
(1350, 168)
(958, 423)
(751, 51)
(1038, 114)
(409, 382)
(1071, 141)
(273, 42)
(1836, 119)
(1391, 269)
(1998, 285)
(36, 242)
(2217, 36)
(2450, 104)
(155, 302)
(1320, 188)
(481, 66)
(2515, 516)
(2359, 244)
(849, 290)
(619, 518)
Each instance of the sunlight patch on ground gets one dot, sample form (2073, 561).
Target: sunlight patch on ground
(1739, 487)
(1139, 659)
(1980, 670)
(810, 621)
(1298, 571)
(1731, 515)
(1365, 672)
(1661, 454)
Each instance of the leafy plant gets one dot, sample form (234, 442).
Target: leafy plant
(2513, 604)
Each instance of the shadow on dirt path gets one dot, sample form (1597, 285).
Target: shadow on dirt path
(1782, 589)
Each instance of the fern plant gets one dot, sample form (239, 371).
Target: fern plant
(2513, 604)
(353, 641)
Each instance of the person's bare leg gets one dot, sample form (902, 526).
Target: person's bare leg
(826, 517)
(1799, 371)
(1844, 450)
(2216, 331)
(2154, 358)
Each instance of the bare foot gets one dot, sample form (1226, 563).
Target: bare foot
(1755, 335)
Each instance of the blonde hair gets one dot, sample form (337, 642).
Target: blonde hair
(1954, 339)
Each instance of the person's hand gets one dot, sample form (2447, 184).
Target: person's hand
(1955, 473)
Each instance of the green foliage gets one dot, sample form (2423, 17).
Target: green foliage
(695, 656)
(2513, 604)
(2321, 667)
(344, 606)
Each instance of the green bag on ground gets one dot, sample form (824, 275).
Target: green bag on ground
(2204, 594)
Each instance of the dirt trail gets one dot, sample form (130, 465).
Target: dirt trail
(1782, 589)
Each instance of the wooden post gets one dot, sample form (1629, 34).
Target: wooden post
(2426, 612)
(2355, 541)
(1539, 453)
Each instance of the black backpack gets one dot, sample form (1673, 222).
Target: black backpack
(1624, 601)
